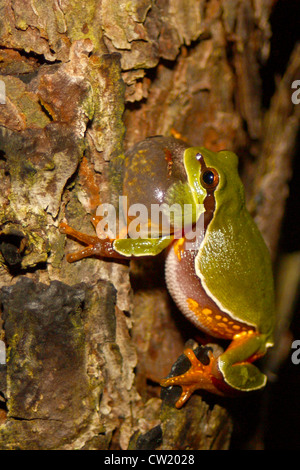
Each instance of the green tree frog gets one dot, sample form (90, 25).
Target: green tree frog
(221, 277)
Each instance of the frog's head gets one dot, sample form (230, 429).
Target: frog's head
(215, 174)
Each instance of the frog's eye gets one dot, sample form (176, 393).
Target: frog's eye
(209, 178)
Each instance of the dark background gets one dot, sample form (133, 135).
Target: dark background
(280, 406)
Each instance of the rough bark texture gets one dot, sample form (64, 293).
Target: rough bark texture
(86, 344)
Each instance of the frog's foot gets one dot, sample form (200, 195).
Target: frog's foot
(230, 373)
(95, 246)
(199, 376)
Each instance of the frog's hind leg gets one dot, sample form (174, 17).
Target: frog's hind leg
(230, 372)
(235, 363)
(199, 376)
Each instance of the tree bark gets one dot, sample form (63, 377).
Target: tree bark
(87, 343)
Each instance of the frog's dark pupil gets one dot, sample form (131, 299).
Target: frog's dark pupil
(208, 177)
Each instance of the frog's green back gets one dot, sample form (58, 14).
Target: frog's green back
(233, 262)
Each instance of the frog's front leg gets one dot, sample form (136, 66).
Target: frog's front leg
(120, 248)
(230, 371)
(95, 246)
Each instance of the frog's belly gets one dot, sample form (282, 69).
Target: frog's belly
(191, 298)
